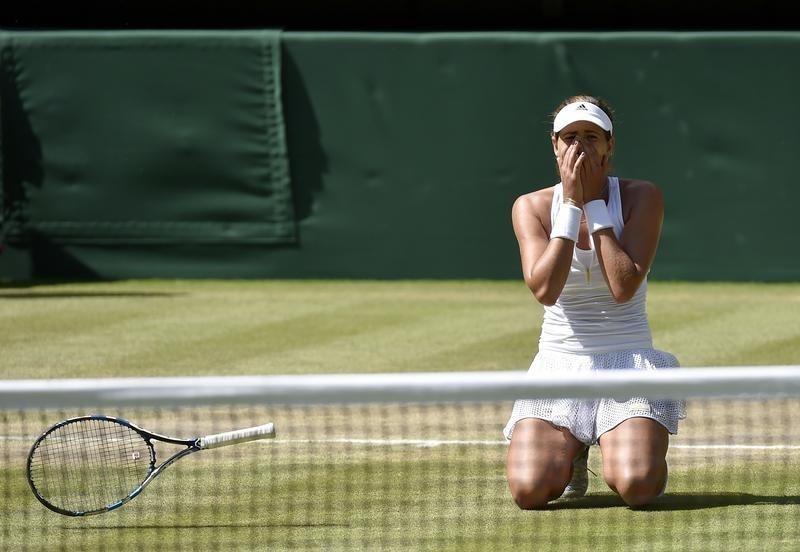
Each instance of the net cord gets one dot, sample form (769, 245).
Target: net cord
(420, 387)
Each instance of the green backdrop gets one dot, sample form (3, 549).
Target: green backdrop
(395, 155)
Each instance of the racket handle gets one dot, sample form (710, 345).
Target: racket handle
(266, 431)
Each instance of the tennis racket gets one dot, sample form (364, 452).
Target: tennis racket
(95, 464)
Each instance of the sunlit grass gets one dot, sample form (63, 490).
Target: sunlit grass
(160, 328)
(304, 491)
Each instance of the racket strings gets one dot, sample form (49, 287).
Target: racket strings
(89, 464)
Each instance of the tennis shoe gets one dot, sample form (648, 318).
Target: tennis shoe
(579, 483)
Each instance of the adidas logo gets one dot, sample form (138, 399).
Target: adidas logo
(583, 107)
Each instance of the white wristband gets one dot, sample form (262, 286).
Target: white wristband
(597, 216)
(567, 223)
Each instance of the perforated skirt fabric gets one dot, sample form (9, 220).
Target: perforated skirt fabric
(588, 419)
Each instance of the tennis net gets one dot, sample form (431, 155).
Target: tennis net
(410, 462)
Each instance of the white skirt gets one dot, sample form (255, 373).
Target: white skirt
(588, 419)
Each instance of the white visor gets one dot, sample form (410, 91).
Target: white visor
(581, 111)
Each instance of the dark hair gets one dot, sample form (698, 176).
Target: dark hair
(599, 102)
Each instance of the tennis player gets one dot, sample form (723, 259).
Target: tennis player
(586, 246)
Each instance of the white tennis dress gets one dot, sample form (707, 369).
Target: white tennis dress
(586, 330)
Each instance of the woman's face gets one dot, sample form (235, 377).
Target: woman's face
(590, 138)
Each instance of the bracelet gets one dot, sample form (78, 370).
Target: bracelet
(597, 215)
(567, 223)
(572, 202)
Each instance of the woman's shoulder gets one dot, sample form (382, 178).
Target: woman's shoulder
(640, 194)
(637, 185)
(536, 199)
(638, 189)
(533, 206)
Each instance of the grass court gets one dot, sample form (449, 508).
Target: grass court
(391, 477)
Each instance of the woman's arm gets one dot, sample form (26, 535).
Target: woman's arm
(626, 262)
(545, 262)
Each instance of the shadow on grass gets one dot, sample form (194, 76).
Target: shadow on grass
(679, 501)
(136, 527)
(6, 294)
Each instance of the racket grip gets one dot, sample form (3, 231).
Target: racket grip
(266, 431)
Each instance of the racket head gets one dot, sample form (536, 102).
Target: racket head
(89, 465)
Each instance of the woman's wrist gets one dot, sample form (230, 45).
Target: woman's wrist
(574, 203)
(597, 215)
(567, 223)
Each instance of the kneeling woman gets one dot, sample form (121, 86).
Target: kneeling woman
(586, 246)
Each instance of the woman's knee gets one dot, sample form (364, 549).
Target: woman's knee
(532, 496)
(535, 484)
(634, 459)
(638, 487)
(539, 462)
(532, 487)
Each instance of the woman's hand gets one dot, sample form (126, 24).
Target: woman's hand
(593, 169)
(570, 168)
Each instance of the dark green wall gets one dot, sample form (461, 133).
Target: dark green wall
(406, 151)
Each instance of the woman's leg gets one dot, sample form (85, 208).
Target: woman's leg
(539, 462)
(634, 459)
